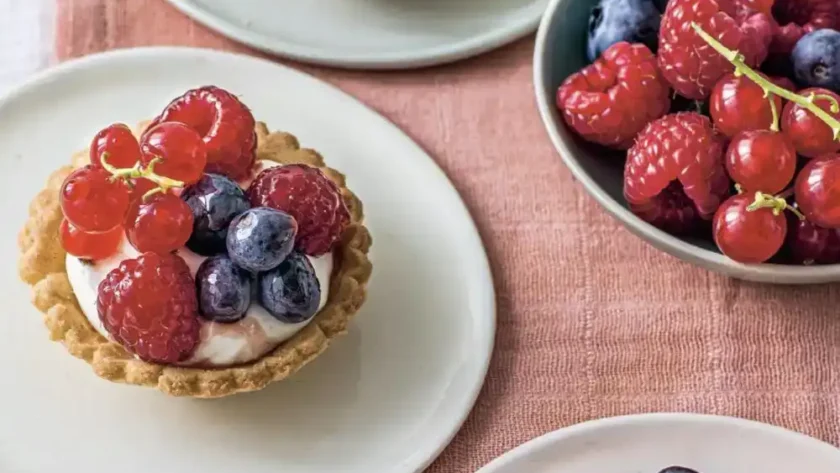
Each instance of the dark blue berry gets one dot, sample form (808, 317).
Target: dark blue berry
(291, 292)
(661, 5)
(677, 469)
(215, 200)
(224, 290)
(816, 60)
(260, 239)
(613, 21)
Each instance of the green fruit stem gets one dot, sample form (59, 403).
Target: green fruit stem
(742, 69)
(138, 172)
(775, 203)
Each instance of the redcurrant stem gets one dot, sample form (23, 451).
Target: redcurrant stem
(775, 110)
(777, 204)
(137, 171)
(741, 68)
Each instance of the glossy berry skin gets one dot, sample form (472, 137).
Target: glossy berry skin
(291, 292)
(749, 237)
(817, 191)
(305, 193)
(811, 136)
(816, 60)
(215, 200)
(688, 63)
(120, 144)
(89, 246)
(677, 469)
(261, 238)
(738, 104)
(148, 305)
(224, 290)
(225, 124)
(181, 150)
(615, 21)
(92, 202)
(160, 223)
(611, 100)
(674, 177)
(761, 160)
(796, 18)
(808, 244)
(139, 188)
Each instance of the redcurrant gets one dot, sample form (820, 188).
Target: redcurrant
(809, 244)
(738, 104)
(92, 201)
(181, 151)
(160, 223)
(818, 191)
(811, 136)
(92, 246)
(748, 235)
(761, 160)
(119, 143)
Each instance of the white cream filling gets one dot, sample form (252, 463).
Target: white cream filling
(221, 344)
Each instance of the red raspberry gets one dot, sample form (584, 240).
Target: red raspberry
(310, 197)
(796, 18)
(149, 306)
(692, 66)
(675, 176)
(610, 101)
(224, 122)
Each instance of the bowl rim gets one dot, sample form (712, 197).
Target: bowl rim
(710, 260)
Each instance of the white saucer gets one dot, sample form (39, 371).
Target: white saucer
(650, 442)
(386, 398)
(370, 34)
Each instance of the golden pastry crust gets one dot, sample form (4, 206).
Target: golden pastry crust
(42, 266)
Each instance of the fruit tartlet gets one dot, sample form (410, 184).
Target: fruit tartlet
(711, 143)
(203, 255)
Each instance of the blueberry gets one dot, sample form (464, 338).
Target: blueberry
(661, 5)
(291, 292)
(613, 21)
(816, 60)
(677, 469)
(215, 200)
(261, 238)
(224, 290)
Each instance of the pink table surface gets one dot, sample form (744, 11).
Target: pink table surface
(592, 321)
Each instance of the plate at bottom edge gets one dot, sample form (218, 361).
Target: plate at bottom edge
(387, 397)
(647, 443)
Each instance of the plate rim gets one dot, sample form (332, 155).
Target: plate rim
(472, 46)
(522, 451)
(484, 338)
(663, 241)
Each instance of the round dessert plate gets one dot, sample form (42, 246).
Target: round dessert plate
(648, 443)
(385, 398)
(369, 34)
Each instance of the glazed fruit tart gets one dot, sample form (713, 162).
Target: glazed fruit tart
(201, 255)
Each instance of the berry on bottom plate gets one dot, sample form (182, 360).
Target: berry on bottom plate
(817, 191)
(816, 60)
(161, 223)
(761, 160)
(738, 104)
(291, 292)
(811, 136)
(686, 61)
(89, 246)
(305, 193)
(674, 177)
(177, 150)
(148, 305)
(611, 100)
(225, 124)
(746, 234)
(614, 21)
(260, 239)
(120, 145)
(215, 200)
(807, 243)
(92, 201)
(224, 290)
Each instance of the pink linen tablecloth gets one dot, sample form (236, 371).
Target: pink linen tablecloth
(592, 321)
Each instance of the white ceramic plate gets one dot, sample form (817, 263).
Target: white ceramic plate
(370, 34)
(386, 398)
(650, 442)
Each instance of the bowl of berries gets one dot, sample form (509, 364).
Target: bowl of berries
(710, 128)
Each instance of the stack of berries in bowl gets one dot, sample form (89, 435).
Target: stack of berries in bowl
(188, 186)
(729, 114)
